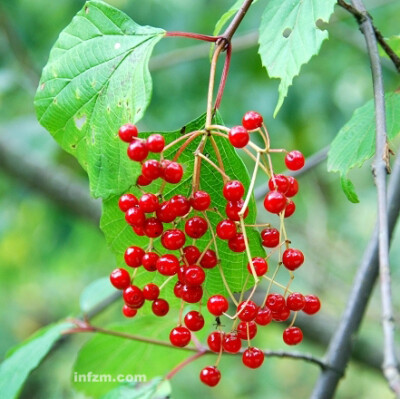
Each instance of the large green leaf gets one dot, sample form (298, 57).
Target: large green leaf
(355, 142)
(289, 37)
(23, 359)
(96, 79)
(119, 234)
(95, 293)
(394, 43)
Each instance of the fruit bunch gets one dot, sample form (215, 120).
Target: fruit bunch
(177, 223)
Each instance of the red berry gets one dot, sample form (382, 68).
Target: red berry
(260, 266)
(264, 316)
(181, 273)
(275, 302)
(270, 237)
(120, 279)
(252, 120)
(180, 336)
(151, 291)
(290, 208)
(214, 341)
(155, 143)
(192, 293)
(128, 311)
(292, 258)
(312, 305)
(160, 307)
(292, 336)
(178, 289)
(253, 358)
(127, 201)
(294, 160)
(194, 321)
(209, 259)
(274, 202)
(173, 239)
(281, 315)
(238, 136)
(133, 256)
(233, 190)
(139, 230)
(247, 330)
(233, 208)
(232, 343)
(200, 200)
(237, 243)
(191, 254)
(143, 181)
(210, 376)
(149, 203)
(166, 213)
(151, 169)
(194, 275)
(153, 227)
(295, 301)
(167, 265)
(127, 132)
(180, 205)
(247, 311)
(226, 229)
(149, 261)
(173, 173)
(135, 216)
(137, 151)
(279, 183)
(293, 187)
(217, 304)
(133, 296)
(196, 227)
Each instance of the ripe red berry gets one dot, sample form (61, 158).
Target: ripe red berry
(247, 311)
(192, 293)
(238, 136)
(133, 296)
(312, 305)
(233, 190)
(253, 358)
(160, 307)
(210, 376)
(209, 259)
(173, 173)
(270, 237)
(191, 254)
(232, 343)
(135, 216)
(173, 239)
(120, 279)
(166, 213)
(281, 315)
(167, 265)
(180, 336)
(290, 208)
(274, 202)
(200, 200)
(149, 203)
(155, 143)
(295, 301)
(292, 336)
(194, 320)
(151, 169)
(133, 256)
(127, 132)
(252, 120)
(143, 181)
(214, 340)
(233, 208)
(178, 289)
(139, 230)
(260, 266)
(279, 183)
(275, 302)
(237, 243)
(137, 151)
(149, 261)
(194, 275)
(247, 330)
(292, 258)
(153, 227)
(196, 227)
(226, 229)
(217, 304)
(294, 160)
(180, 205)
(293, 187)
(151, 292)
(264, 316)
(127, 201)
(128, 311)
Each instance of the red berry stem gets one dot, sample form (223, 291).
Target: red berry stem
(183, 364)
(196, 36)
(224, 76)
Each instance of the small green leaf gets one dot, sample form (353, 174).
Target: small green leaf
(290, 36)
(349, 190)
(96, 79)
(24, 358)
(95, 293)
(394, 43)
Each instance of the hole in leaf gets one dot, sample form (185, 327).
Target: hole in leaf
(42, 86)
(73, 146)
(117, 46)
(321, 24)
(286, 33)
(79, 122)
(183, 130)
(86, 9)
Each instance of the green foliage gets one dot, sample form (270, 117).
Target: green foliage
(355, 142)
(394, 43)
(290, 36)
(95, 293)
(96, 79)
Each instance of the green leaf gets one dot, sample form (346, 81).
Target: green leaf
(394, 43)
(96, 79)
(355, 142)
(289, 37)
(24, 358)
(95, 293)
(157, 388)
(349, 190)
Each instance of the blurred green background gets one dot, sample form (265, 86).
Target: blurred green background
(49, 253)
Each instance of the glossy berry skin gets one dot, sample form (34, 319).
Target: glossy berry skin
(151, 169)
(214, 341)
(173, 173)
(279, 183)
(217, 304)
(166, 213)
(313, 305)
(180, 205)
(210, 376)
(127, 132)
(149, 203)
(196, 227)
(244, 327)
(200, 200)
(143, 181)
(191, 254)
(151, 292)
(155, 143)
(275, 202)
(178, 287)
(292, 258)
(135, 217)
(295, 301)
(233, 190)
(180, 336)
(133, 296)
(133, 256)
(238, 136)
(127, 201)
(167, 265)
(139, 230)
(292, 336)
(237, 243)
(275, 302)
(194, 275)
(264, 316)
(252, 120)
(128, 311)
(270, 237)
(173, 239)
(231, 343)
(248, 312)
(153, 228)
(233, 208)
(120, 279)
(160, 307)
(293, 187)
(260, 266)
(253, 358)
(289, 209)
(149, 261)
(192, 293)
(281, 315)
(209, 259)
(137, 151)
(294, 160)
(194, 320)
(226, 229)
